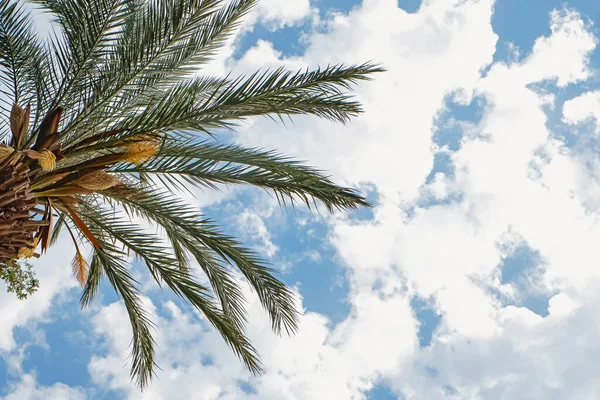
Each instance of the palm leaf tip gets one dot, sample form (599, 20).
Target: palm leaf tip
(80, 268)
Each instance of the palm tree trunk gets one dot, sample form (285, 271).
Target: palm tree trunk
(17, 227)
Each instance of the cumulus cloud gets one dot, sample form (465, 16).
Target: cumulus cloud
(316, 362)
(570, 41)
(453, 252)
(582, 108)
(533, 358)
(28, 389)
(56, 281)
(55, 276)
(254, 228)
(279, 14)
(513, 179)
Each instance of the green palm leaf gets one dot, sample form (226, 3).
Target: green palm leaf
(207, 164)
(164, 268)
(22, 63)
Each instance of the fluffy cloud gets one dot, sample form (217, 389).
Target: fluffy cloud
(28, 389)
(517, 185)
(253, 225)
(570, 41)
(533, 358)
(581, 108)
(279, 13)
(55, 276)
(56, 281)
(316, 362)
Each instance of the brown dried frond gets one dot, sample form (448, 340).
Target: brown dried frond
(28, 250)
(5, 151)
(47, 134)
(57, 151)
(19, 122)
(97, 180)
(80, 268)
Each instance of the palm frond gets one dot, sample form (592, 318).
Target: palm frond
(21, 55)
(58, 227)
(163, 42)
(222, 281)
(204, 163)
(203, 104)
(200, 237)
(109, 259)
(90, 29)
(165, 268)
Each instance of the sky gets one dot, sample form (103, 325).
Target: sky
(475, 276)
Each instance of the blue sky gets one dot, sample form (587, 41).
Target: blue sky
(413, 256)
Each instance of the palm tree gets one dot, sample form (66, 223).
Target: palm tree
(110, 116)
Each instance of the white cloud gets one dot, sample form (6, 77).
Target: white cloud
(514, 179)
(533, 358)
(315, 362)
(28, 389)
(483, 349)
(56, 281)
(55, 275)
(254, 228)
(571, 42)
(279, 13)
(581, 108)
